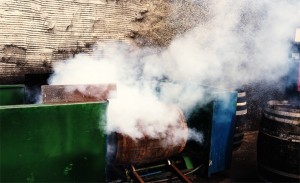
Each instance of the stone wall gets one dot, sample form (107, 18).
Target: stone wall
(36, 33)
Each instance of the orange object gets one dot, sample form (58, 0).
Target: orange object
(146, 149)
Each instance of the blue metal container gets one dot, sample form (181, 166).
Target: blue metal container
(216, 121)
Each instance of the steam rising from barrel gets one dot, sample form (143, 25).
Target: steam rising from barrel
(239, 43)
(153, 146)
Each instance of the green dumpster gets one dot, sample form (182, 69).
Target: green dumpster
(11, 94)
(53, 143)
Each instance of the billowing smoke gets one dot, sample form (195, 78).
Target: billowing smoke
(242, 42)
(137, 111)
(238, 43)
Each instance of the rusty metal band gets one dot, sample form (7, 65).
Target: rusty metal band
(280, 138)
(285, 174)
(283, 120)
(241, 104)
(243, 112)
(283, 113)
(242, 94)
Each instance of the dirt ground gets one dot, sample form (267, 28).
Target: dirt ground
(244, 164)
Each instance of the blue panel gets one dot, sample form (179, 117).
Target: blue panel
(222, 132)
(292, 79)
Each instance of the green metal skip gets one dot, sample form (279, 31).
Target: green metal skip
(53, 143)
(11, 94)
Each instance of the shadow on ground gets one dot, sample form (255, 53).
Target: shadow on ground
(244, 164)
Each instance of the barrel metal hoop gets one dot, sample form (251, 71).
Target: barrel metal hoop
(237, 142)
(243, 112)
(288, 121)
(238, 135)
(263, 179)
(285, 174)
(280, 138)
(277, 102)
(283, 113)
(242, 94)
(241, 103)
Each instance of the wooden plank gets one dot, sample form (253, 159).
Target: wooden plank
(77, 93)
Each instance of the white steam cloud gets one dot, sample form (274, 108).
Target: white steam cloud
(240, 42)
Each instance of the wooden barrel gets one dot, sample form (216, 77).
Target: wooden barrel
(278, 143)
(241, 111)
(123, 150)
